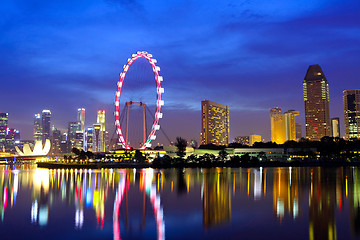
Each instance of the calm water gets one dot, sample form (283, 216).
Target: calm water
(258, 203)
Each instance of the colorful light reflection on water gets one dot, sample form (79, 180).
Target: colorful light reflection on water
(259, 203)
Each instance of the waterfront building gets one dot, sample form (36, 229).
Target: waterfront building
(352, 113)
(96, 138)
(78, 142)
(282, 125)
(73, 136)
(74, 127)
(214, 123)
(298, 128)
(81, 119)
(254, 138)
(45, 124)
(316, 99)
(12, 139)
(277, 126)
(289, 122)
(335, 127)
(56, 140)
(102, 136)
(3, 127)
(88, 144)
(37, 127)
(244, 140)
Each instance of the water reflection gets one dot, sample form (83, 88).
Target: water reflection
(136, 203)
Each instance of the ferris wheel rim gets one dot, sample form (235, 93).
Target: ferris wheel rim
(159, 101)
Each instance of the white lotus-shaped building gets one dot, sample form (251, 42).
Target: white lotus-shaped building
(39, 150)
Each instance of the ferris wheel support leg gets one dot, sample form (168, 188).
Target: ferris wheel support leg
(127, 122)
(144, 124)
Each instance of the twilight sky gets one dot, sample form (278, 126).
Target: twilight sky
(250, 55)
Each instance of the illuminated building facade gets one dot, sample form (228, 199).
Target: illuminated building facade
(289, 121)
(214, 123)
(101, 137)
(45, 124)
(335, 127)
(282, 125)
(277, 126)
(12, 139)
(88, 144)
(254, 138)
(316, 99)
(73, 135)
(81, 119)
(56, 141)
(37, 127)
(96, 139)
(3, 128)
(244, 140)
(352, 113)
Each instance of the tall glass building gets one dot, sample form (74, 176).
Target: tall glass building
(283, 126)
(37, 127)
(101, 137)
(81, 119)
(316, 99)
(214, 123)
(3, 127)
(352, 113)
(45, 122)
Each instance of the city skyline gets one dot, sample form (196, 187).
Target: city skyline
(47, 63)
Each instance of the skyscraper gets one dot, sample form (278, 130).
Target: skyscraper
(45, 124)
(101, 121)
(335, 127)
(316, 99)
(96, 139)
(3, 128)
(56, 141)
(88, 139)
(214, 123)
(12, 139)
(81, 119)
(37, 127)
(352, 113)
(277, 126)
(289, 121)
(75, 136)
(282, 125)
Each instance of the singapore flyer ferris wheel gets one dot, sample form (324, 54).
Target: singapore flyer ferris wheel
(159, 100)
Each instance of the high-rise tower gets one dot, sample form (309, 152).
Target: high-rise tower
(81, 119)
(214, 123)
(282, 125)
(3, 128)
(316, 98)
(289, 121)
(101, 121)
(37, 127)
(277, 126)
(352, 113)
(45, 121)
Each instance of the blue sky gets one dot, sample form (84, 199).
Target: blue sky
(250, 55)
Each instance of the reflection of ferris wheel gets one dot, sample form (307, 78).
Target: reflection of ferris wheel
(154, 199)
(159, 101)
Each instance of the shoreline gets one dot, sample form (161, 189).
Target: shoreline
(123, 165)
